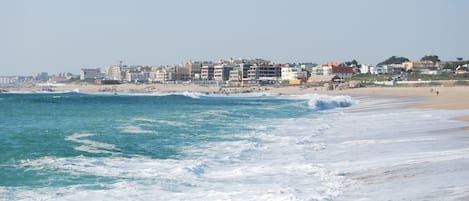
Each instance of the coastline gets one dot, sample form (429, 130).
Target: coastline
(449, 98)
(356, 158)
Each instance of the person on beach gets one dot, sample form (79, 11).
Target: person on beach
(437, 92)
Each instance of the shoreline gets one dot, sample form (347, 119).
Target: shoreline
(449, 98)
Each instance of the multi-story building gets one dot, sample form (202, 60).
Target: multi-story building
(194, 68)
(8, 80)
(207, 71)
(235, 75)
(365, 68)
(264, 73)
(89, 74)
(164, 75)
(182, 73)
(222, 72)
(41, 77)
(114, 73)
(293, 73)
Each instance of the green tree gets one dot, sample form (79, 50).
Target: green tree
(394, 60)
(350, 63)
(433, 58)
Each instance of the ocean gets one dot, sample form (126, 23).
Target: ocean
(192, 146)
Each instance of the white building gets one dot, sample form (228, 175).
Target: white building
(222, 72)
(330, 70)
(91, 74)
(322, 71)
(377, 70)
(308, 66)
(293, 73)
(164, 75)
(365, 68)
(114, 73)
(138, 76)
(207, 71)
(8, 80)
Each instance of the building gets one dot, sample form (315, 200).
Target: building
(41, 77)
(194, 69)
(8, 80)
(222, 72)
(463, 69)
(90, 74)
(207, 71)
(342, 72)
(114, 73)
(235, 75)
(377, 70)
(365, 68)
(308, 66)
(264, 73)
(293, 73)
(331, 69)
(417, 66)
(182, 73)
(164, 75)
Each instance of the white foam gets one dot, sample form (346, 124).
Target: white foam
(90, 146)
(137, 130)
(160, 121)
(378, 154)
(324, 102)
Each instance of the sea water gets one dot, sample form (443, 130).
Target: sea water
(191, 146)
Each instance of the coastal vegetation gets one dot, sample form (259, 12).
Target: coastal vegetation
(432, 58)
(394, 60)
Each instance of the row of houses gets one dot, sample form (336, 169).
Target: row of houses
(230, 71)
(242, 71)
(421, 67)
(6, 81)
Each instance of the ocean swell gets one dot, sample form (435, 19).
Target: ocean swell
(323, 102)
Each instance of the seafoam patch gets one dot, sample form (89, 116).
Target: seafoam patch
(90, 146)
(137, 130)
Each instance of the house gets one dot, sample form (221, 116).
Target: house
(342, 72)
(377, 70)
(417, 66)
(461, 69)
(365, 68)
(332, 68)
(292, 73)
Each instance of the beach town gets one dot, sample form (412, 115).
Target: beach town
(394, 71)
(444, 82)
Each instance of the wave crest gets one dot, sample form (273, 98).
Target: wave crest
(324, 102)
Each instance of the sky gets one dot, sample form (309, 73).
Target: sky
(63, 36)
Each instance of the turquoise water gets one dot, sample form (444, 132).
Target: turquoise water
(93, 142)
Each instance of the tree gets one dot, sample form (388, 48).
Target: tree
(350, 63)
(433, 58)
(394, 60)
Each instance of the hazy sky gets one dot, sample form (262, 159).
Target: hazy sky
(64, 36)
